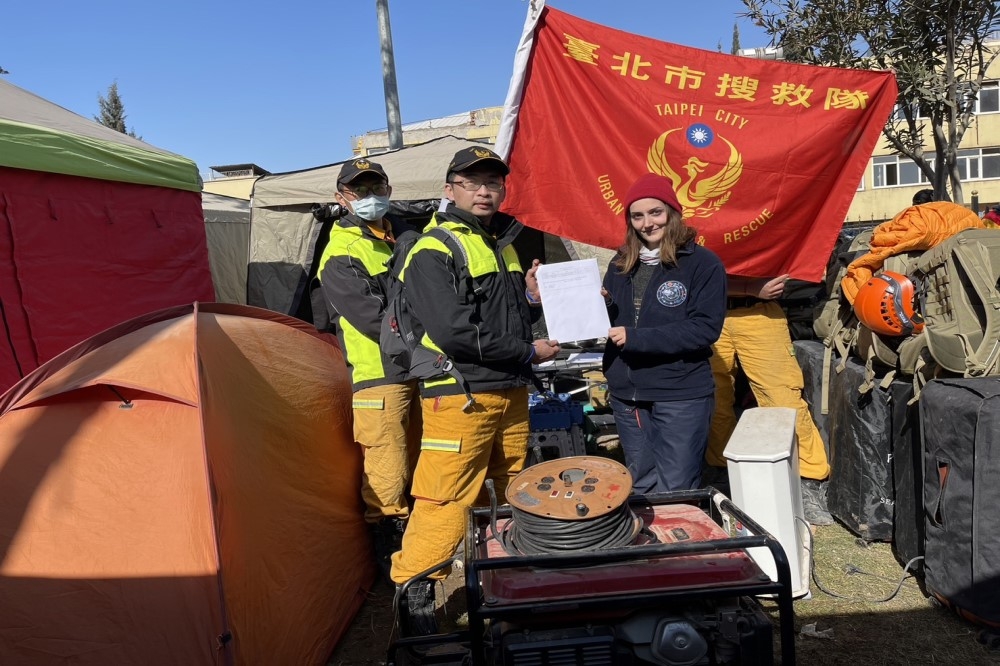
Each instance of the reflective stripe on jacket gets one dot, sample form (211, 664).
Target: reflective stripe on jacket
(354, 279)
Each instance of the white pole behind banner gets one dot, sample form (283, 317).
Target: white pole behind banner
(511, 106)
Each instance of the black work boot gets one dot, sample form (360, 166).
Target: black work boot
(394, 528)
(814, 508)
(420, 608)
(387, 537)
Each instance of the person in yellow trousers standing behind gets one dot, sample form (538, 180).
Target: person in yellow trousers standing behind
(483, 323)
(755, 333)
(354, 281)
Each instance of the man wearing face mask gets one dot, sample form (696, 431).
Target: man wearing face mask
(354, 281)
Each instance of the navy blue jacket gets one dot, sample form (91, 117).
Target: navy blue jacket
(665, 356)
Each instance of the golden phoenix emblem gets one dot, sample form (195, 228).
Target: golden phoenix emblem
(362, 164)
(699, 195)
(480, 152)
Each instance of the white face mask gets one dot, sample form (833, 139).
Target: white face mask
(371, 208)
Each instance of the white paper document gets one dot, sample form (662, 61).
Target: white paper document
(577, 360)
(571, 300)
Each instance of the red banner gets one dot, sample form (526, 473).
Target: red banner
(765, 156)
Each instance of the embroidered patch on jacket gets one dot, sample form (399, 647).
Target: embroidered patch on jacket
(671, 293)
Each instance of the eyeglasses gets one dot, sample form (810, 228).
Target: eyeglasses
(473, 185)
(362, 191)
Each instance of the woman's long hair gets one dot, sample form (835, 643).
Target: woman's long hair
(676, 234)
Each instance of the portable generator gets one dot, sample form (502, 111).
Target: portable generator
(576, 571)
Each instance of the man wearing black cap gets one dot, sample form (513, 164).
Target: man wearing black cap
(354, 281)
(482, 321)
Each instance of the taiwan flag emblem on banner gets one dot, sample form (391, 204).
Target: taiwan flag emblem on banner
(765, 156)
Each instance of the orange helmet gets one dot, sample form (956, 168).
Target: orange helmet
(885, 305)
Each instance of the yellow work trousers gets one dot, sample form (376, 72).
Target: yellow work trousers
(758, 337)
(387, 426)
(459, 450)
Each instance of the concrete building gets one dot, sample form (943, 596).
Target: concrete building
(478, 125)
(233, 180)
(890, 180)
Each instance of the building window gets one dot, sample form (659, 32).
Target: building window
(979, 163)
(991, 162)
(897, 112)
(987, 101)
(898, 171)
(989, 98)
(895, 171)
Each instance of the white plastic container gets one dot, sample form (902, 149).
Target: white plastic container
(763, 462)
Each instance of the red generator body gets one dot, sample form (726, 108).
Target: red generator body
(684, 594)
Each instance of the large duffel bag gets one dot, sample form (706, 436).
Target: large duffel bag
(960, 301)
(809, 354)
(860, 493)
(907, 475)
(960, 422)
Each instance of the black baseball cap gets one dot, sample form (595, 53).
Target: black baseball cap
(467, 157)
(357, 167)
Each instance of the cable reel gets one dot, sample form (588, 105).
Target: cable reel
(571, 504)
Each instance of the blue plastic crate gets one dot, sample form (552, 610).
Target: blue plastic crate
(548, 412)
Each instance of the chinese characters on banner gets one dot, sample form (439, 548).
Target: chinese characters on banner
(765, 156)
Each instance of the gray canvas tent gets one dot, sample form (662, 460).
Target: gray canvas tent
(286, 239)
(227, 229)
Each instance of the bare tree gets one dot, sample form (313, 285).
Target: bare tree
(113, 111)
(937, 48)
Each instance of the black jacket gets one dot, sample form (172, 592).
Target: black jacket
(355, 281)
(666, 354)
(488, 336)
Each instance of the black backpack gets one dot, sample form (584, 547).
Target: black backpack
(401, 333)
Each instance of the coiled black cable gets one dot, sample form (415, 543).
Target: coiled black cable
(528, 534)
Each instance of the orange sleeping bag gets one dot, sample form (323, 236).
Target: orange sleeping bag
(914, 228)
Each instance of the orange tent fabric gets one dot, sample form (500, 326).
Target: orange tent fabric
(182, 489)
(914, 228)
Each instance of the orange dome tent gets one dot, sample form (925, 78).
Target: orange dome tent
(182, 488)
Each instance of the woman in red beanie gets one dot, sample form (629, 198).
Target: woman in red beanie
(667, 301)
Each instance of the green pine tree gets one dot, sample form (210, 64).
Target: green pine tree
(735, 50)
(113, 112)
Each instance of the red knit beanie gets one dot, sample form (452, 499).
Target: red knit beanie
(652, 186)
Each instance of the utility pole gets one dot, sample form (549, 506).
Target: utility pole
(389, 77)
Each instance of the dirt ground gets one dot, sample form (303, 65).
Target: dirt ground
(856, 615)
(860, 619)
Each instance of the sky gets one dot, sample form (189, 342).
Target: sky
(286, 85)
